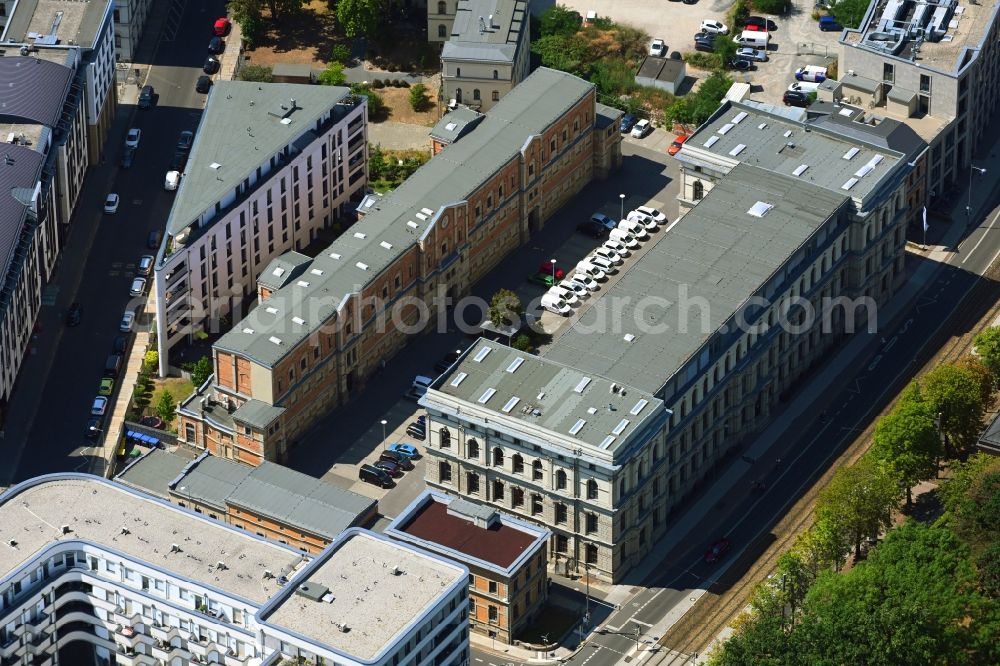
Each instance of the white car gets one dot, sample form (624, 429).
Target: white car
(172, 181)
(657, 216)
(617, 246)
(625, 237)
(658, 48)
(608, 254)
(567, 296)
(633, 226)
(637, 219)
(714, 27)
(128, 321)
(138, 287)
(591, 270)
(585, 281)
(132, 138)
(756, 55)
(111, 204)
(556, 305)
(804, 86)
(641, 129)
(578, 289)
(603, 263)
(99, 406)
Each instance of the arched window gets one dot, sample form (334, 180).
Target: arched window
(498, 457)
(442, 8)
(498, 490)
(475, 94)
(444, 436)
(536, 470)
(458, 71)
(561, 480)
(496, 74)
(442, 31)
(697, 190)
(458, 95)
(591, 489)
(473, 448)
(518, 463)
(590, 553)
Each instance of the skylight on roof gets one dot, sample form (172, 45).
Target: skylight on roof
(426, 211)
(386, 245)
(510, 405)
(762, 126)
(849, 155)
(739, 117)
(639, 406)
(725, 128)
(286, 121)
(487, 394)
(875, 161)
(458, 378)
(760, 209)
(591, 410)
(358, 234)
(737, 150)
(620, 428)
(582, 384)
(298, 320)
(846, 112)
(607, 441)
(577, 427)
(275, 340)
(515, 364)
(302, 283)
(851, 182)
(271, 310)
(422, 217)
(363, 266)
(800, 169)
(864, 171)
(316, 271)
(334, 255)
(412, 224)
(629, 337)
(248, 330)
(787, 133)
(278, 272)
(711, 140)
(451, 127)
(214, 165)
(481, 354)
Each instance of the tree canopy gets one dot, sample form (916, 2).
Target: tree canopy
(506, 309)
(859, 501)
(956, 394)
(358, 17)
(907, 442)
(987, 345)
(559, 20)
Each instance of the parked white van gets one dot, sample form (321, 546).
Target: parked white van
(811, 73)
(421, 383)
(564, 294)
(593, 271)
(804, 86)
(603, 263)
(635, 225)
(757, 40)
(556, 305)
(624, 237)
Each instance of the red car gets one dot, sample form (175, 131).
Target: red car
(678, 142)
(221, 28)
(717, 550)
(546, 267)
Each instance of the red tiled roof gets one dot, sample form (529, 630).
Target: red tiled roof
(500, 544)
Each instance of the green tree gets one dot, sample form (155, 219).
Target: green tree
(956, 395)
(333, 75)
(249, 14)
(341, 53)
(988, 569)
(151, 361)
(522, 343)
(202, 371)
(559, 20)
(978, 370)
(956, 492)
(987, 345)
(257, 73)
(506, 309)
(771, 6)
(358, 17)
(419, 101)
(859, 501)
(376, 105)
(283, 8)
(376, 162)
(906, 441)
(166, 406)
(850, 13)
(565, 53)
(725, 49)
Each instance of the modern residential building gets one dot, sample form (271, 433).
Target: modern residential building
(315, 339)
(681, 359)
(79, 35)
(269, 168)
(506, 558)
(487, 53)
(933, 65)
(440, 19)
(269, 500)
(103, 574)
(130, 22)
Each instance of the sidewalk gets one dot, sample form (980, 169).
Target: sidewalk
(505, 652)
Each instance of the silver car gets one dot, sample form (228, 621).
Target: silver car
(756, 55)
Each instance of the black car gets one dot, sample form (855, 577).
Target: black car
(393, 457)
(178, 161)
(119, 345)
(128, 157)
(628, 122)
(146, 96)
(211, 65)
(416, 431)
(796, 98)
(184, 141)
(741, 64)
(690, 2)
(592, 228)
(758, 22)
(446, 362)
(216, 46)
(204, 84)
(93, 430)
(74, 315)
(707, 47)
(375, 476)
(153, 240)
(389, 467)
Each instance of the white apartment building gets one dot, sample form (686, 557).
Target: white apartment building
(934, 65)
(103, 574)
(271, 165)
(487, 53)
(130, 21)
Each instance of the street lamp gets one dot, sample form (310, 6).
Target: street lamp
(383, 433)
(621, 197)
(553, 262)
(982, 172)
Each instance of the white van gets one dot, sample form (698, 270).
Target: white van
(591, 270)
(421, 383)
(172, 180)
(636, 226)
(556, 305)
(757, 40)
(811, 73)
(624, 237)
(804, 86)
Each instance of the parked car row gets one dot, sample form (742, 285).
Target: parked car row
(752, 41)
(216, 46)
(397, 458)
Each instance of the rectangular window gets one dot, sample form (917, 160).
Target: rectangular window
(925, 83)
(888, 72)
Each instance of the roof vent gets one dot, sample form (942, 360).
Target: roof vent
(125, 531)
(358, 234)
(221, 566)
(343, 627)
(363, 266)
(615, 388)
(396, 571)
(248, 330)
(298, 320)
(302, 283)
(268, 574)
(174, 548)
(66, 529)
(275, 340)
(12, 543)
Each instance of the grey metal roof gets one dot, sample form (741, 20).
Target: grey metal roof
(661, 69)
(561, 396)
(79, 22)
(153, 472)
(717, 252)
(456, 124)
(862, 83)
(778, 143)
(902, 95)
(211, 480)
(33, 90)
(300, 500)
(20, 171)
(257, 413)
(395, 224)
(476, 36)
(283, 270)
(242, 128)
(886, 133)
(607, 115)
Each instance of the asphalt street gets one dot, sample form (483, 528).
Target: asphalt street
(99, 260)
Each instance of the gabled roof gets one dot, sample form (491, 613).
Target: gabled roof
(283, 270)
(456, 124)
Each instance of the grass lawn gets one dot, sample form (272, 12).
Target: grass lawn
(178, 387)
(553, 622)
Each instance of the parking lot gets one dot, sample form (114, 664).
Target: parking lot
(353, 435)
(798, 40)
